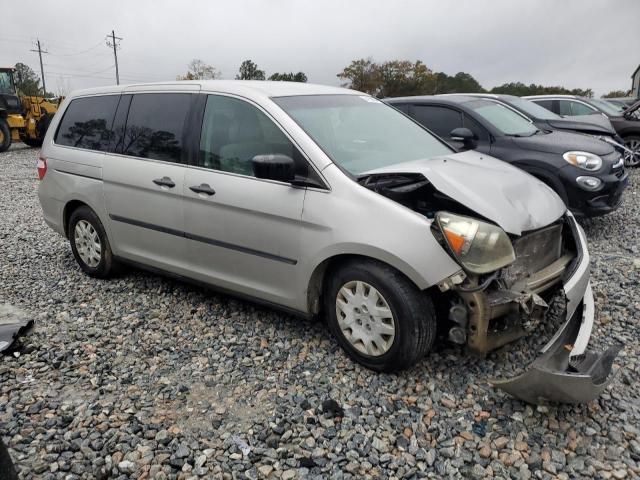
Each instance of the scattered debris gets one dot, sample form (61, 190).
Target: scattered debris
(13, 322)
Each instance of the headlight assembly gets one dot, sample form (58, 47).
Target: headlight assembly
(480, 247)
(584, 160)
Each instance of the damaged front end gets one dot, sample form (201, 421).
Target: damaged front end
(547, 262)
(552, 264)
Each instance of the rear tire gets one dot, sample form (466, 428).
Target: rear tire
(5, 135)
(408, 331)
(89, 243)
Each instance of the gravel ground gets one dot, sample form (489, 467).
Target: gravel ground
(146, 377)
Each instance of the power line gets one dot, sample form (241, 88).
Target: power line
(80, 70)
(78, 53)
(114, 43)
(40, 52)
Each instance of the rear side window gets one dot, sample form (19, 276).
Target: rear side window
(440, 120)
(155, 126)
(575, 108)
(87, 123)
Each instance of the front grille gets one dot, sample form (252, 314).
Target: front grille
(534, 251)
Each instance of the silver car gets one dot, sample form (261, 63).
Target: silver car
(325, 201)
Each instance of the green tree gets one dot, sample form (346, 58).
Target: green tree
(198, 70)
(27, 81)
(395, 78)
(362, 74)
(461, 82)
(249, 71)
(617, 94)
(289, 77)
(401, 77)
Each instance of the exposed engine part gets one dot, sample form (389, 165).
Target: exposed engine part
(452, 281)
(482, 286)
(458, 335)
(459, 315)
(413, 191)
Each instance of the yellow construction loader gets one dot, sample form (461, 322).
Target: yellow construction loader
(23, 118)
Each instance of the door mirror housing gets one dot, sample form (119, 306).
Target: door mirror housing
(274, 167)
(467, 137)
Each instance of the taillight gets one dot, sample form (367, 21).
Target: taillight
(42, 167)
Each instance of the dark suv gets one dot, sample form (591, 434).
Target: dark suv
(625, 121)
(587, 173)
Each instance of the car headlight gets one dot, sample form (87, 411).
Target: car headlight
(584, 160)
(480, 247)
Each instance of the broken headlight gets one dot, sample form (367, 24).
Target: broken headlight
(480, 247)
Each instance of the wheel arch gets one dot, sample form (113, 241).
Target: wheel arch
(315, 286)
(70, 207)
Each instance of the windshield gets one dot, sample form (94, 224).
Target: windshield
(607, 107)
(360, 133)
(504, 119)
(532, 109)
(6, 83)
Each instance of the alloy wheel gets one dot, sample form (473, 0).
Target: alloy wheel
(632, 159)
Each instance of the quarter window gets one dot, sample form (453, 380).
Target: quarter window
(234, 131)
(87, 123)
(155, 126)
(475, 127)
(439, 120)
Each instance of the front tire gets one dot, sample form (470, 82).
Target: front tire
(89, 243)
(633, 144)
(379, 317)
(5, 135)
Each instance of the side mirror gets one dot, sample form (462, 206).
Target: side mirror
(466, 136)
(274, 167)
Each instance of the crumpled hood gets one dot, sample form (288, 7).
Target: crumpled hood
(508, 196)
(560, 142)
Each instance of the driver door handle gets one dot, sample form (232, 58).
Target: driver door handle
(203, 188)
(164, 182)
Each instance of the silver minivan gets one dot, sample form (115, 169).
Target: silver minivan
(325, 201)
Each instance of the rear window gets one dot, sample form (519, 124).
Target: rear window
(155, 126)
(87, 123)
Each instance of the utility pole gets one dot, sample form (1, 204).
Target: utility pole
(40, 52)
(112, 41)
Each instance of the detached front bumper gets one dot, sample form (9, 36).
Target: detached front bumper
(565, 371)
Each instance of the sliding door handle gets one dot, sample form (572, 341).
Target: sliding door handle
(164, 182)
(203, 188)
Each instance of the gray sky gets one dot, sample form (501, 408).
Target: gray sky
(574, 43)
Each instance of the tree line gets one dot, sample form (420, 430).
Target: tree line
(395, 78)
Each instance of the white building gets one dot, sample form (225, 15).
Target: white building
(635, 83)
